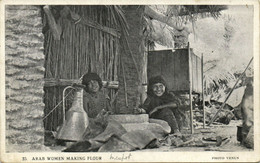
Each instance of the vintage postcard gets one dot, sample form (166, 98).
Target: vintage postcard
(139, 81)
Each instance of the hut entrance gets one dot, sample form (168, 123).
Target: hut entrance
(86, 40)
(181, 69)
(175, 68)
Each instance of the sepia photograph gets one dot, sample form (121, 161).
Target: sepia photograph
(129, 82)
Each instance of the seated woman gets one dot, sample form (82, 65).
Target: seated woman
(94, 101)
(160, 104)
(89, 120)
(104, 134)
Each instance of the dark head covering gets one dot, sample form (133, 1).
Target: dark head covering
(91, 76)
(154, 80)
(153, 100)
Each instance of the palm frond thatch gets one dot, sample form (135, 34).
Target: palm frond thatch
(182, 14)
(210, 10)
(119, 17)
(161, 34)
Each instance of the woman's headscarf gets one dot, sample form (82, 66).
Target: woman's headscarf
(154, 80)
(91, 76)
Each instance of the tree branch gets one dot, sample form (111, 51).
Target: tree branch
(171, 21)
(56, 29)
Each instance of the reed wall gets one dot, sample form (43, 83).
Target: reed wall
(88, 45)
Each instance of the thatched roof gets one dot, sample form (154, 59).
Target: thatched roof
(202, 10)
(181, 15)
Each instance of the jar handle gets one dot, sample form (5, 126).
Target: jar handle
(63, 100)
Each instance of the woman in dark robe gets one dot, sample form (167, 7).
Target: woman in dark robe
(160, 104)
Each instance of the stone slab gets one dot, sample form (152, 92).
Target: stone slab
(130, 118)
(157, 129)
(163, 123)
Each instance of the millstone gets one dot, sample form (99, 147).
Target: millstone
(155, 128)
(130, 118)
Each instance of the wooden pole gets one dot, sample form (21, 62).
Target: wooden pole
(56, 30)
(190, 91)
(125, 86)
(224, 103)
(202, 82)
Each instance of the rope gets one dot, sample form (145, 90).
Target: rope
(60, 101)
(56, 105)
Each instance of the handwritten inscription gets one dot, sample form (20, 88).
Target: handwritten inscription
(122, 157)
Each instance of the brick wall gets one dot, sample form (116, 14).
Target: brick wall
(24, 61)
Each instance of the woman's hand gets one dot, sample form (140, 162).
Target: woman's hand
(139, 110)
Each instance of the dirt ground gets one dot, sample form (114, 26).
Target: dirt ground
(229, 131)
